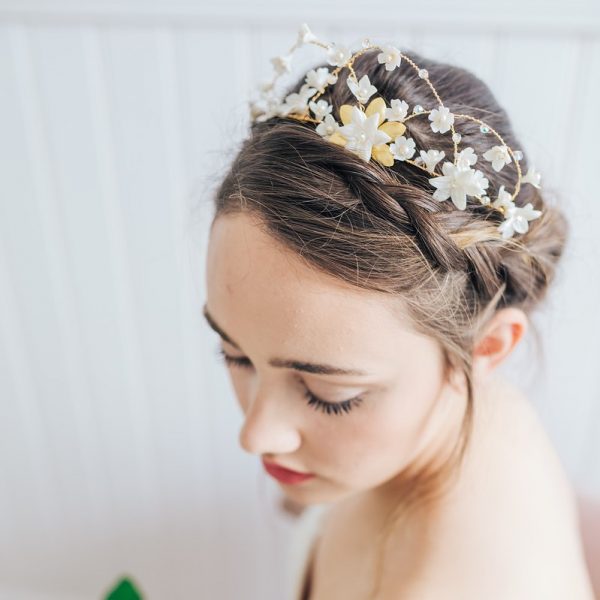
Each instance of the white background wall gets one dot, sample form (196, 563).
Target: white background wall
(118, 444)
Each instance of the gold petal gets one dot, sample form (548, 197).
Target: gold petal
(382, 153)
(393, 128)
(346, 114)
(376, 106)
(337, 138)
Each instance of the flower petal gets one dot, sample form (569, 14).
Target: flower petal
(520, 224)
(337, 138)
(459, 198)
(506, 228)
(376, 106)
(393, 128)
(346, 114)
(380, 137)
(383, 154)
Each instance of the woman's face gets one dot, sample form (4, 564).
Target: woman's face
(281, 320)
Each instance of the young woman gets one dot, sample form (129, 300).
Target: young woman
(363, 318)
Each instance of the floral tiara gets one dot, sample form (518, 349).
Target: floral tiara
(368, 127)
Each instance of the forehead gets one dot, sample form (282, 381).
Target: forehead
(256, 287)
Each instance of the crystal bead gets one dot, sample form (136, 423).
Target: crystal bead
(485, 200)
(366, 43)
(423, 73)
(418, 109)
(456, 137)
(518, 155)
(484, 129)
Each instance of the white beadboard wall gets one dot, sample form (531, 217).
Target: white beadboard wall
(118, 439)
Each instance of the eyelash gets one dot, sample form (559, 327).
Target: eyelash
(337, 408)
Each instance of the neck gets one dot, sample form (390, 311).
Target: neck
(438, 444)
(405, 541)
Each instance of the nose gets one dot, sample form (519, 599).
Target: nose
(269, 426)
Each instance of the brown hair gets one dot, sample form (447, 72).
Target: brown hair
(379, 228)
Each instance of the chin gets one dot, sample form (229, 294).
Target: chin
(310, 496)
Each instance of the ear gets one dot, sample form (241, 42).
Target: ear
(498, 339)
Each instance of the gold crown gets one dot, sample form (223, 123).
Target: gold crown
(373, 130)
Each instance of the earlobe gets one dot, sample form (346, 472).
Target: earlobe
(499, 338)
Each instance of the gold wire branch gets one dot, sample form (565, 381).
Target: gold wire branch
(349, 65)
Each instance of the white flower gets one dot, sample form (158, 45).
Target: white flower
(266, 87)
(320, 108)
(532, 177)
(498, 156)
(259, 111)
(441, 119)
(390, 56)
(457, 183)
(282, 64)
(266, 106)
(398, 110)
(305, 35)
(298, 101)
(504, 200)
(319, 77)
(362, 133)
(431, 158)
(518, 219)
(402, 148)
(466, 158)
(363, 90)
(337, 55)
(328, 126)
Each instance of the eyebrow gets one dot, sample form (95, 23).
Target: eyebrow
(286, 363)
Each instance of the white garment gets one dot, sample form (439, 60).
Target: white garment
(304, 532)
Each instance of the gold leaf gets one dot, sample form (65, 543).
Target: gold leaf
(393, 128)
(376, 106)
(337, 138)
(382, 154)
(346, 114)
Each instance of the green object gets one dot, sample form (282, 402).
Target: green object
(124, 590)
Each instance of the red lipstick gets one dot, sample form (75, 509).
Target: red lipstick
(285, 475)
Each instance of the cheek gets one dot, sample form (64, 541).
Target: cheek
(384, 435)
(373, 443)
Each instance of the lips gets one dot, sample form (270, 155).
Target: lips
(285, 475)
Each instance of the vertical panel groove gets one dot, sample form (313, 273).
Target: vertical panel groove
(45, 197)
(136, 402)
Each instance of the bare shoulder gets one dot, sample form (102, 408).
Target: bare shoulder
(510, 529)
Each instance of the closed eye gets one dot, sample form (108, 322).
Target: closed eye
(325, 406)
